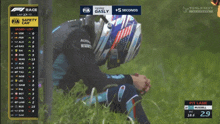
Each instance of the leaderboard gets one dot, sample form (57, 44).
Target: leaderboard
(23, 62)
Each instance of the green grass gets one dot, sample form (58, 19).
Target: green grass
(180, 53)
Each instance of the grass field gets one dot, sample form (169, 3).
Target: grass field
(180, 53)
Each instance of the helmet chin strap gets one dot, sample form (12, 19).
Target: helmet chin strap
(113, 60)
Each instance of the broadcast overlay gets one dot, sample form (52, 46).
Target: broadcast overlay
(23, 62)
(198, 109)
(23, 22)
(110, 10)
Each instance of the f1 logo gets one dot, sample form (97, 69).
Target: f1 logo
(20, 9)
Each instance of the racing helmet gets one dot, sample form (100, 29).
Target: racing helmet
(117, 39)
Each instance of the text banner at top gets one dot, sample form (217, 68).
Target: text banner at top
(110, 10)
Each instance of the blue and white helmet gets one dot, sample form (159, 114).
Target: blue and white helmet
(117, 41)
